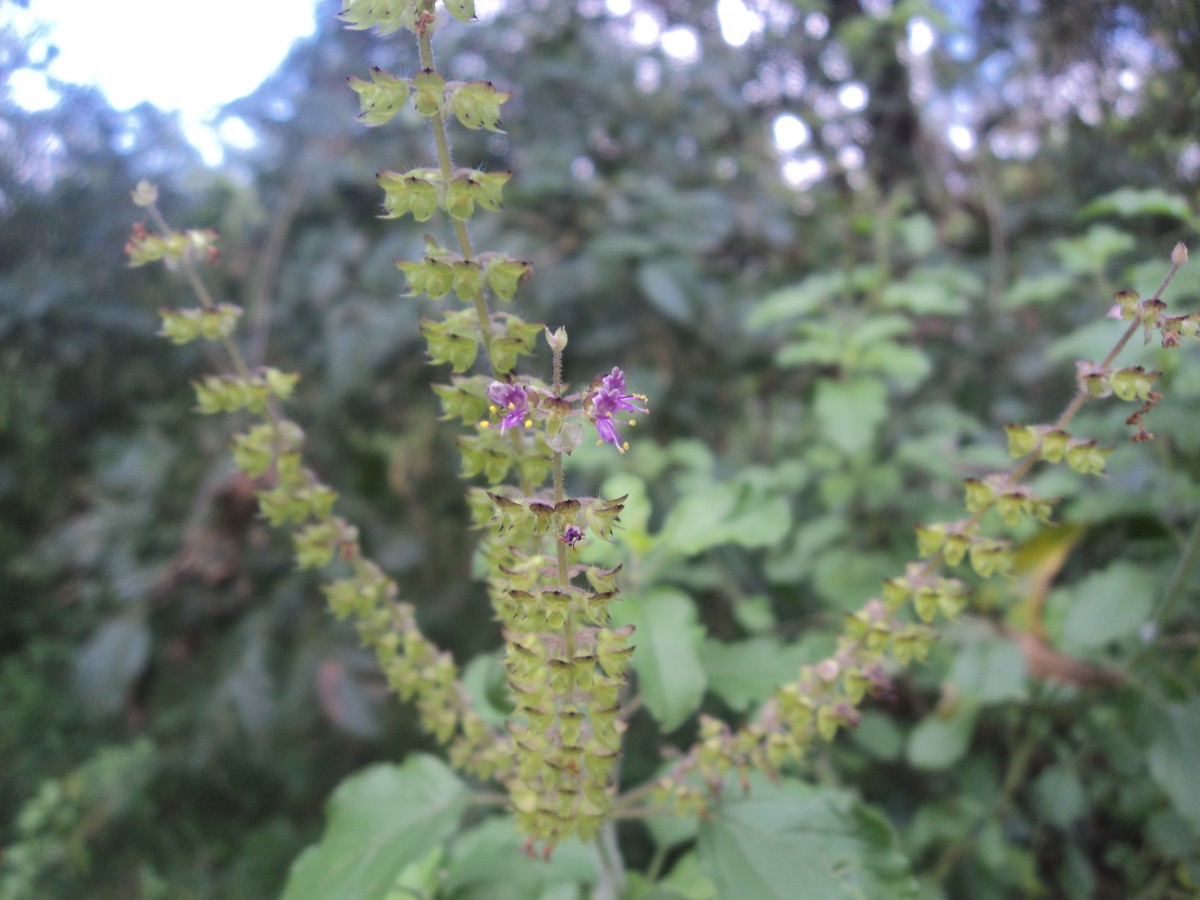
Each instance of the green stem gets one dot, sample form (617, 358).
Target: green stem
(611, 868)
(446, 164)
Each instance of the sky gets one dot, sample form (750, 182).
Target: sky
(194, 57)
(187, 56)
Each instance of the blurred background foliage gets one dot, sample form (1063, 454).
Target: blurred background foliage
(839, 256)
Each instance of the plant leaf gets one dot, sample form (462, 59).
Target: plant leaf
(788, 839)
(380, 821)
(667, 660)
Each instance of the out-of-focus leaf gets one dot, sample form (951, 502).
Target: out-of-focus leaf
(788, 839)
(343, 699)
(1108, 604)
(730, 513)
(1131, 202)
(483, 677)
(905, 367)
(486, 863)
(743, 673)
(109, 662)
(931, 292)
(939, 741)
(1092, 251)
(1038, 290)
(1172, 759)
(671, 678)
(380, 821)
(818, 292)
(845, 576)
(1059, 796)
(850, 411)
(661, 281)
(989, 668)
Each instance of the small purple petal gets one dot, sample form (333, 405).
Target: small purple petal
(608, 431)
(513, 400)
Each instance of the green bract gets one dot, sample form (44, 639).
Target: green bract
(381, 97)
(386, 16)
(476, 104)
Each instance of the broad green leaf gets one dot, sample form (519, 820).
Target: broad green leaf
(918, 233)
(904, 366)
(1172, 759)
(808, 353)
(924, 294)
(879, 736)
(380, 821)
(685, 881)
(486, 863)
(671, 679)
(745, 672)
(109, 662)
(819, 292)
(1131, 202)
(736, 512)
(845, 576)
(1091, 251)
(697, 521)
(662, 282)
(877, 327)
(788, 840)
(989, 668)
(484, 681)
(938, 742)
(1107, 605)
(1038, 290)
(850, 411)
(1059, 796)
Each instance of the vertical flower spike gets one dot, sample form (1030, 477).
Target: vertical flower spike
(607, 399)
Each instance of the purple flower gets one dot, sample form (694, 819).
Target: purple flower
(572, 536)
(512, 399)
(608, 399)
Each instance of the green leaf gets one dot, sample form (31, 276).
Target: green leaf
(746, 672)
(735, 512)
(822, 291)
(109, 662)
(1038, 290)
(808, 352)
(671, 679)
(1059, 796)
(380, 821)
(662, 283)
(846, 576)
(1092, 251)
(929, 292)
(1172, 759)
(939, 741)
(905, 367)
(486, 862)
(788, 839)
(989, 668)
(1108, 605)
(850, 411)
(1131, 202)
